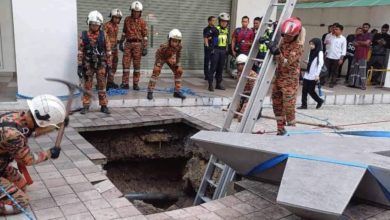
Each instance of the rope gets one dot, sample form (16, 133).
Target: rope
(63, 98)
(24, 211)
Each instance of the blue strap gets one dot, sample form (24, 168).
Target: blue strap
(268, 164)
(328, 160)
(27, 214)
(385, 134)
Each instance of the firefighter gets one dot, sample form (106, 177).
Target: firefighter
(94, 57)
(111, 30)
(240, 61)
(286, 82)
(219, 55)
(46, 113)
(133, 45)
(170, 54)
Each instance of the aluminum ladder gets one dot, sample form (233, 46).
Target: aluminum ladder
(217, 187)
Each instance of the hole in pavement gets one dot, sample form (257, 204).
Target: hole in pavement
(156, 167)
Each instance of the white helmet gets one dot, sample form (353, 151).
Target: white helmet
(224, 16)
(136, 6)
(115, 12)
(242, 58)
(175, 34)
(94, 17)
(47, 110)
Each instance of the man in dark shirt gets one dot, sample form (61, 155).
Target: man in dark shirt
(380, 45)
(349, 56)
(210, 33)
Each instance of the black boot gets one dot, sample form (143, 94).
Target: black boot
(319, 104)
(219, 86)
(179, 95)
(84, 110)
(105, 109)
(302, 107)
(281, 132)
(211, 88)
(150, 95)
(124, 86)
(111, 85)
(135, 87)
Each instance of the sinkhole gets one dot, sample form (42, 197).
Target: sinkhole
(156, 167)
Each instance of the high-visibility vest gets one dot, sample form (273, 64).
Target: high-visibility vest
(222, 36)
(263, 47)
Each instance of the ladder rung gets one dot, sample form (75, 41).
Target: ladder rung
(226, 130)
(205, 198)
(258, 60)
(238, 113)
(268, 22)
(246, 96)
(220, 166)
(212, 183)
(249, 77)
(278, 4)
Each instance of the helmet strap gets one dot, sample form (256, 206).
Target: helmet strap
(41, 117)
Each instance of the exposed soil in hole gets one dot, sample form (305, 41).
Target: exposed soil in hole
(154, 159)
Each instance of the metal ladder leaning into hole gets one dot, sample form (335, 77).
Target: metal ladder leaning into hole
(254, 105)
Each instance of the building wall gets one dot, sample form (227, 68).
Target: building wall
(45, 45)
(250, 8)
(7, 48)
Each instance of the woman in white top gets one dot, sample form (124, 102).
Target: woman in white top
(312, 75)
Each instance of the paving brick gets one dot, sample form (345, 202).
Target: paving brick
(14, 217)
(65, 165)
(90, 169)
(229, 201)
(66, 199)
(46, 168)
(244, 208)
(50, 175)
(128, 211)
(209, 216)
(43, 204)
(61, 190)
(213, 205)
(89, 195)
(70, 172)
(138, 217)
(83, 163)
(381, 216)
(119, 202)
(82, 187)
(276, 212)
(104, 186)
(73, 209)
(245, 195)
(112, 194)
(158, 216)
(76, 179)
(55, 182)
(49, 213)
(97, 204)
(226, 213)
(196, 210)
(80, 216)
(259, 203)
(38, 194)
(95, 177)
(105, 214)
(178, 213)
(37, 185)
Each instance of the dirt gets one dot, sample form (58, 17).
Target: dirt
(154, 159)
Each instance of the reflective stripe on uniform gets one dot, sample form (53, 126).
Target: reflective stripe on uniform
(222, 36)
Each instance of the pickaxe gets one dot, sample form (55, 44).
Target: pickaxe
(72, 88)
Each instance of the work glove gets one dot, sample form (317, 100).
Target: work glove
(121, 45)
(55, 152)
(273, 48)
(144, 51)
(80, 71)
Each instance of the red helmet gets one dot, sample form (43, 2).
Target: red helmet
(292, 27)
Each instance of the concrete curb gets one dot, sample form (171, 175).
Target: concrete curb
(354, 99)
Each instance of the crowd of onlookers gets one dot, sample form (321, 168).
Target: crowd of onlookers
(363, 50)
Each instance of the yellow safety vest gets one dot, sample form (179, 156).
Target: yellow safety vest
(222, 37)
(263, 47)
